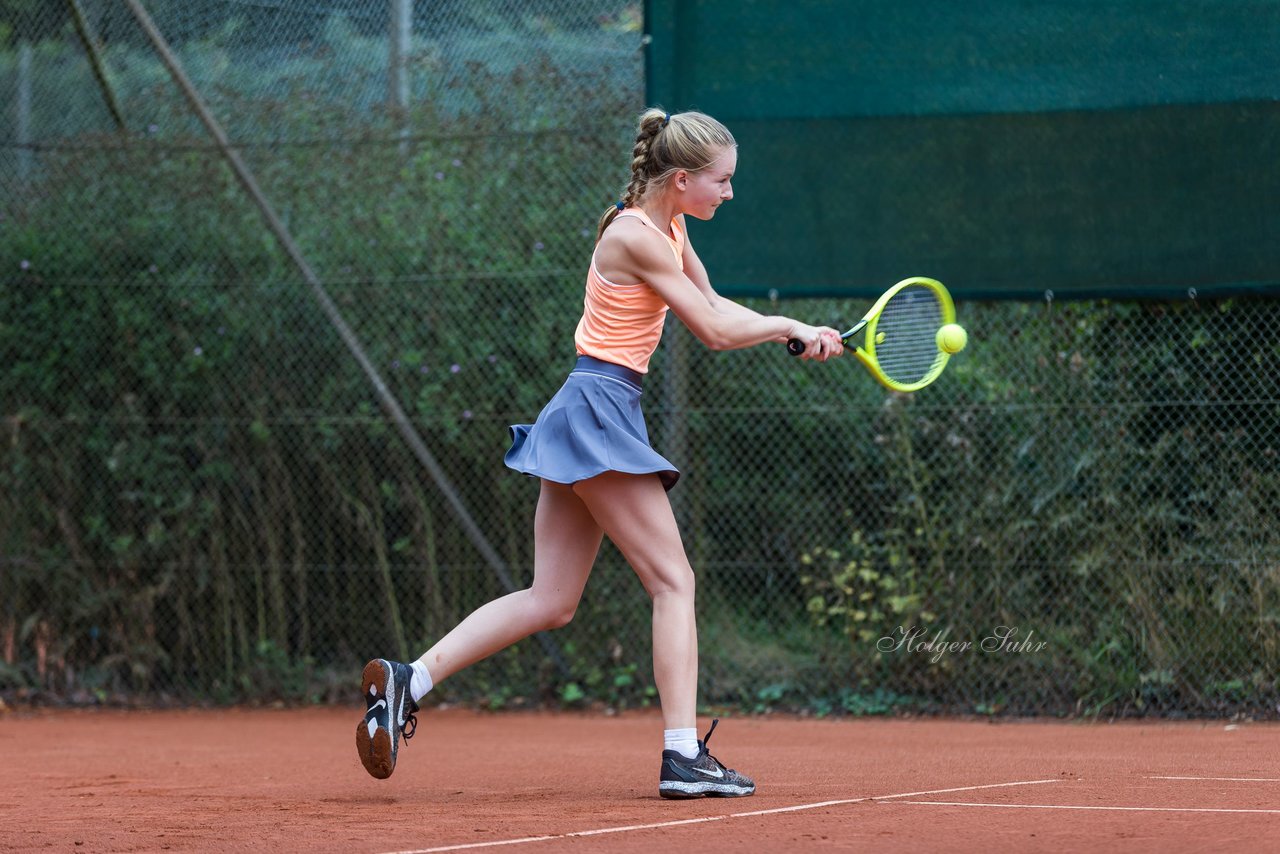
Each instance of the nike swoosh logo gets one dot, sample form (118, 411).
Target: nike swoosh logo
(715, 773)
(382, 703)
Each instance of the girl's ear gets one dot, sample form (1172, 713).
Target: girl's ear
(680, 180)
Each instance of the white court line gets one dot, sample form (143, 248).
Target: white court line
(1070, 807)
(1225, 779)
(703, 819)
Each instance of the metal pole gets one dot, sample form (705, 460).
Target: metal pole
(282, 235)
(22, 110)
(95, 61)
(398, 66)
(401, 38)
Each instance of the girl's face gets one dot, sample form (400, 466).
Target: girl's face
(707, 189)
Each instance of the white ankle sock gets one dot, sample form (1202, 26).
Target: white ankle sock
(683, 740)
(421, 682)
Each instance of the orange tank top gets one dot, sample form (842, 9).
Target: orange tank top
(623, 323)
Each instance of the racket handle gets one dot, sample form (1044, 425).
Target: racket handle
(795, 346)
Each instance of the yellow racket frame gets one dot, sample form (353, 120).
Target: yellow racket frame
(867, 352)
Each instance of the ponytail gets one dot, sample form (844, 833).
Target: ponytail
(666, 144)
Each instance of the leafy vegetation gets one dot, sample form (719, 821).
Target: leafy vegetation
(199, 498)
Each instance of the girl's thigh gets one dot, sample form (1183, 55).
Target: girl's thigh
(634, 511)
(566, 542)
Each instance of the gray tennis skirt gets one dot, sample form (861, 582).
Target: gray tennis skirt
(593, 424)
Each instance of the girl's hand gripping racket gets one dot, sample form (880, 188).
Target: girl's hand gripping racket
(911, 332)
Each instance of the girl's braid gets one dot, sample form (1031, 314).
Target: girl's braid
(651, 124)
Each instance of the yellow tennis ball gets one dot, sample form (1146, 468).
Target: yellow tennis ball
(952, 338)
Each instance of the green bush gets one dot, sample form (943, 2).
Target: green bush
(199, 496)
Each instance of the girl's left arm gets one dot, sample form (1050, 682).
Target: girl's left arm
(697, 274)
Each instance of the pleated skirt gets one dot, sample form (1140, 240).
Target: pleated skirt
(593, 424)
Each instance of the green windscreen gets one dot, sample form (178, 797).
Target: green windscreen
(1008, 148)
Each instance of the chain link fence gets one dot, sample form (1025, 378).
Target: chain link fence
(203, 500)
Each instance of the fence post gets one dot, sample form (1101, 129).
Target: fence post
(91, 52)
(22, 109)
(398, 66)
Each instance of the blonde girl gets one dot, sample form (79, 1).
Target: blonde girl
(590, 449)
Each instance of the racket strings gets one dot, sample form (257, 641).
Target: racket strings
(906, 335)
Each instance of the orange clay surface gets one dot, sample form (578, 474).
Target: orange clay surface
(289, 780)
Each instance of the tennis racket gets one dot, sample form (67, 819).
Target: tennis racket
(901, 347)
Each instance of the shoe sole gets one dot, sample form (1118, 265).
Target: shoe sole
(685, 791)
(376, 754)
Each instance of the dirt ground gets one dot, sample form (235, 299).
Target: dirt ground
(289, 780)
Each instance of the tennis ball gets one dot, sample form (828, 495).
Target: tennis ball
(952, 338)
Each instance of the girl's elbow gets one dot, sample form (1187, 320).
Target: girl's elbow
(716, 341)
(718, 333)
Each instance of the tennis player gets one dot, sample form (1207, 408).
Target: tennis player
(590, 448)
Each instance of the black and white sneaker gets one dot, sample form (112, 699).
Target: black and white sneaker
(389, 713)
(701, 776)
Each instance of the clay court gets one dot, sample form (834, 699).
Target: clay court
(289, 780)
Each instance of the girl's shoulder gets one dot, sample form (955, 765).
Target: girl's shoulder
(629, 250)
(630, 233)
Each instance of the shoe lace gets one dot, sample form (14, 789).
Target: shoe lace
(703, 744)
(410, 725)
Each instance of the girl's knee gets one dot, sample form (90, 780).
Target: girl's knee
(552, 612)
(678, 584)
(558, 618)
